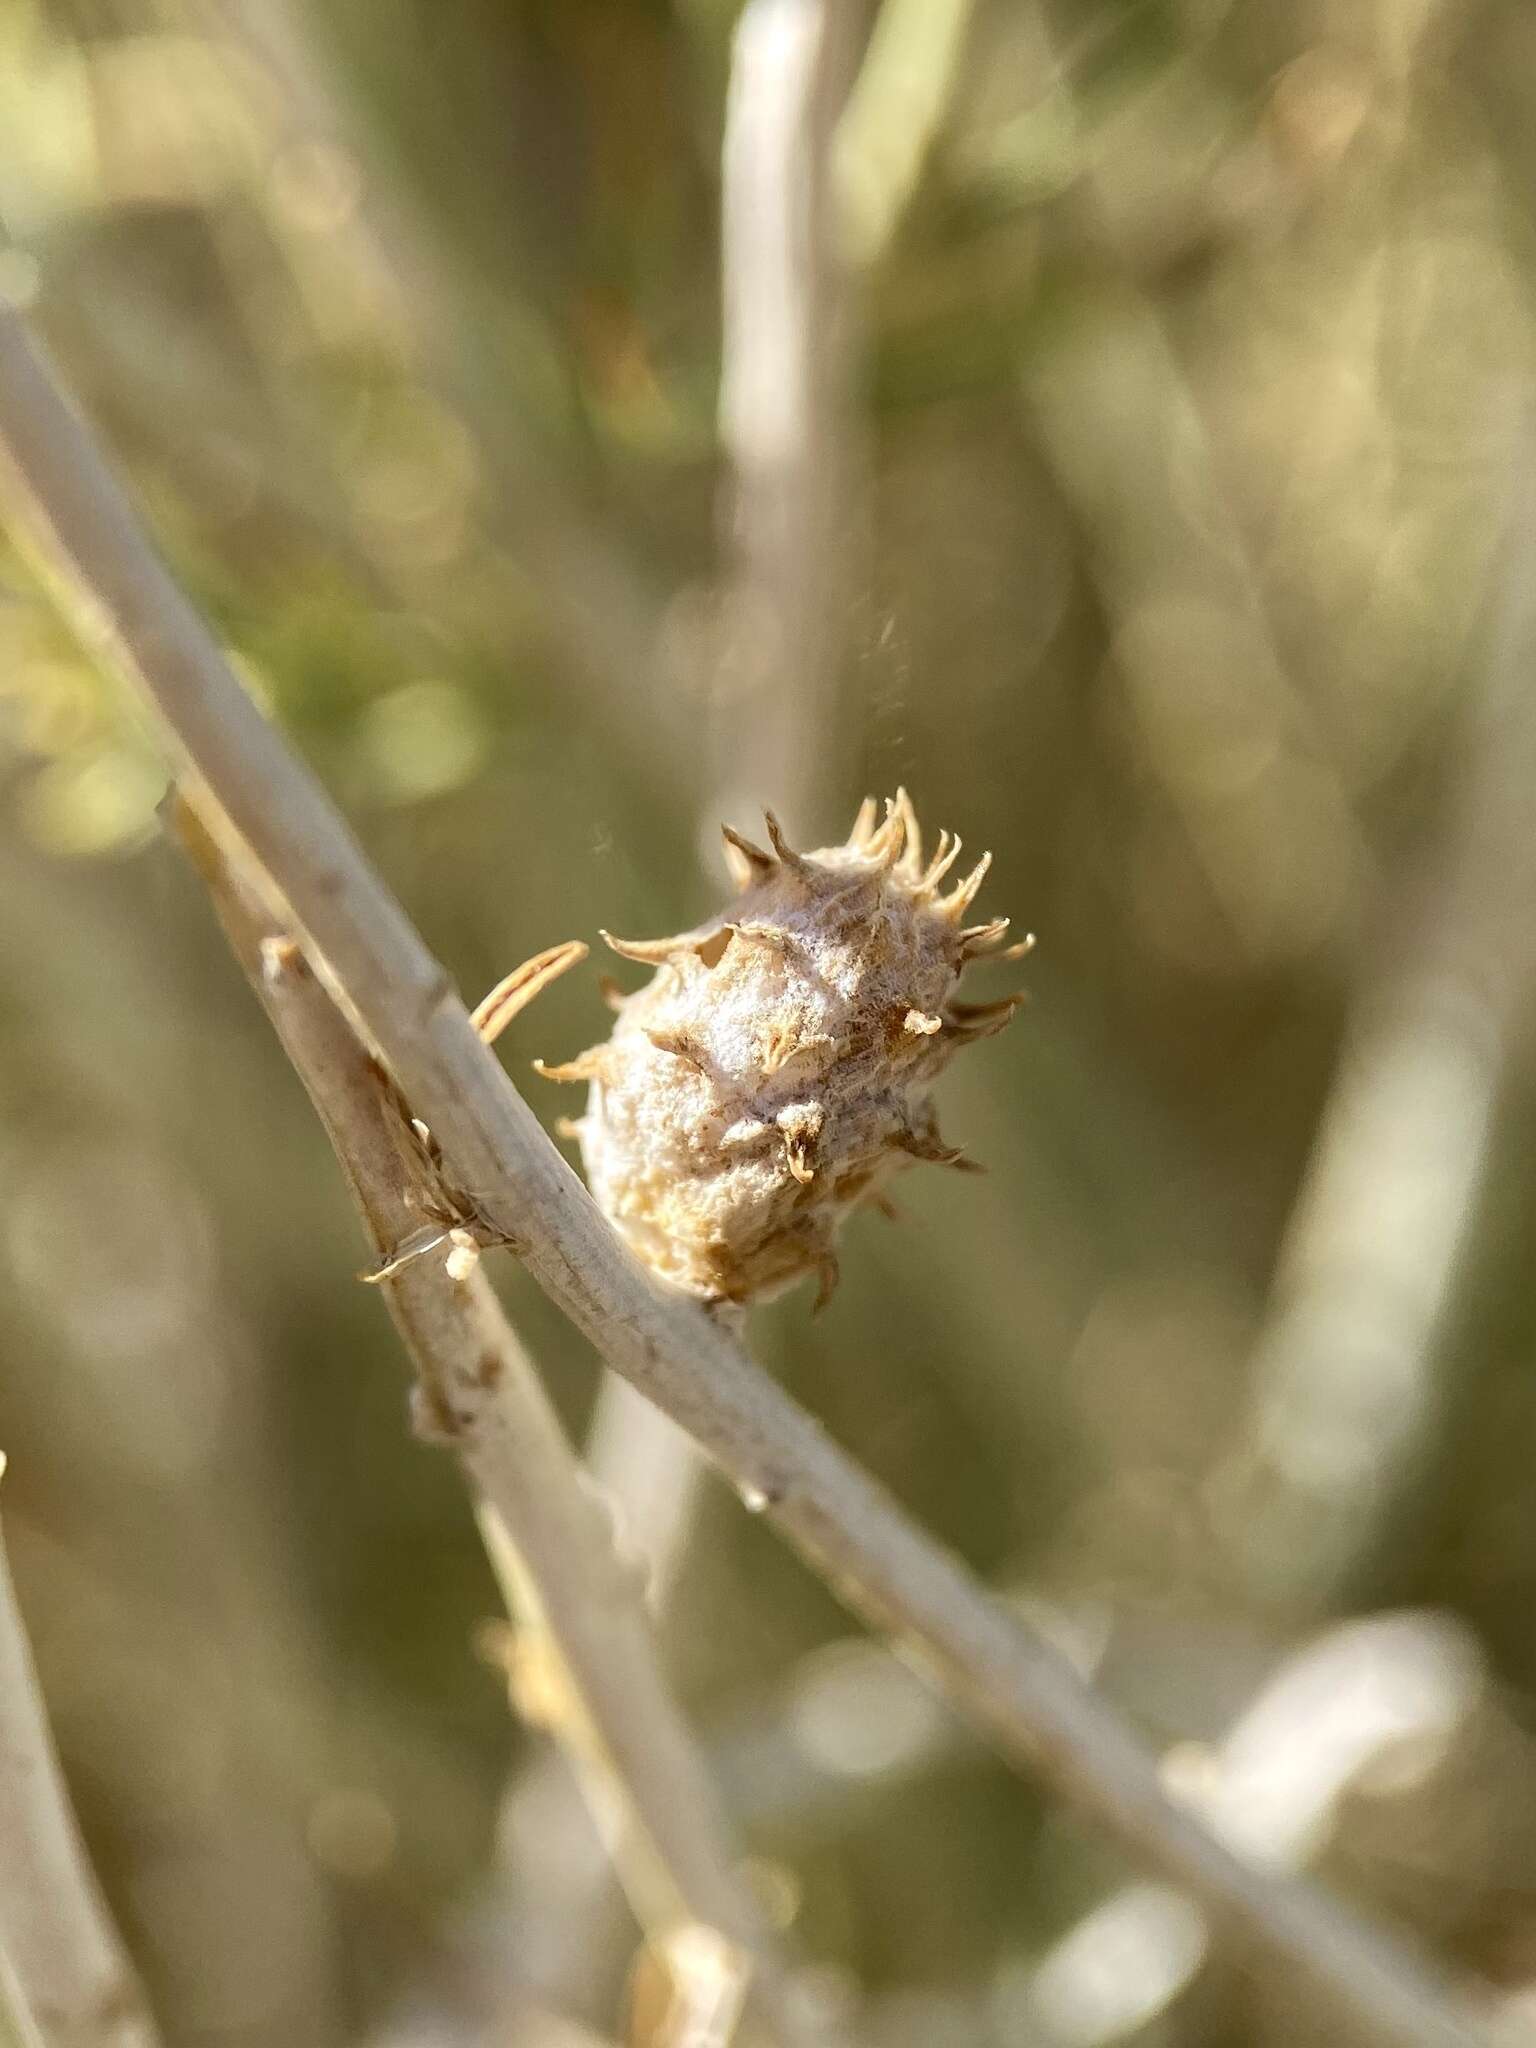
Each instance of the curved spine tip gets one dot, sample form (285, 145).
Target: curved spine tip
(945, 856)
(587, 1066)
(864, 824)
(885, 844)
(932, 1151)
(966, 1022)
(649, 952)
(958, 901)
(912, 852)
(981, 938)
(745, 858)
(780, 844)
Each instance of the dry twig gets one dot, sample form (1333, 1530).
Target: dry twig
(1022, 1692)
(587, 1665)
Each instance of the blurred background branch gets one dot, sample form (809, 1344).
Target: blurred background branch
(1350, 1394)
(582, 1664)
(66, 1972)
(789, 421)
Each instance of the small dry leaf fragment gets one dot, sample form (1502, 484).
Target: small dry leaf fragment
(981, 938)
(777, 1067)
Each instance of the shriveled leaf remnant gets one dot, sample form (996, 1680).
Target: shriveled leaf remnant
(776, 1068)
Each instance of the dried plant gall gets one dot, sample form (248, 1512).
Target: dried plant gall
(774, 1073)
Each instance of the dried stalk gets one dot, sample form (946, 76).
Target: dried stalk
(1017, 1688)
(67, 1973)
(586, 1664)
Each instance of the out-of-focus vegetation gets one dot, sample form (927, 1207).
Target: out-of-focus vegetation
(1189, 365)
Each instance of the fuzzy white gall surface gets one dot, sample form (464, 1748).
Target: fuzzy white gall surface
(775, 1071)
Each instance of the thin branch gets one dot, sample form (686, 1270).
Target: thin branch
(1017, 1688)
(598, 1684)
(66, 1967)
